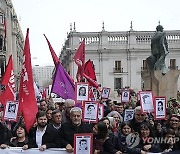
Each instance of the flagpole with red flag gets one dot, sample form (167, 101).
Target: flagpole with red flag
(54, 56)
(8, 81)
(27, 99)
(79, 59)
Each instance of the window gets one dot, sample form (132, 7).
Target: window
(118, 67)
(1, 42)
(172, 64)
(117, 83)
(1, 18)
(144, 65)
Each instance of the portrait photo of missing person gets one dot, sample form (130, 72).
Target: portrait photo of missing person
(160, 106)
(147, 104)
(90, 109)
(146, 99)
(125, 96)
(82, 91)
(90, 112)
(12, 108)
(105, 92)
(83, 143)
(83, 147)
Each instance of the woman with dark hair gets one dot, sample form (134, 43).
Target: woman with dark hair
(126, 129)
(20, 138)
(49, 114)
(102, 143)
(146, 143)
(111, 135)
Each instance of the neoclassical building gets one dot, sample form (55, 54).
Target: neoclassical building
(119, 56)
(11, 39)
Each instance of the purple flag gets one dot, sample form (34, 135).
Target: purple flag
(62, 84)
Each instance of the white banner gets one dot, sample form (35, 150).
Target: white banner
(18, 150)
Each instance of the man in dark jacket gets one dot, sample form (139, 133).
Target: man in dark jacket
(43, 136)
(75, 126)
(139, 117)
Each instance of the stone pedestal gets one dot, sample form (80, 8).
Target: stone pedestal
(161, 85)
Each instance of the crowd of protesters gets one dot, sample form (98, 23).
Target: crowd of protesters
(57, 123)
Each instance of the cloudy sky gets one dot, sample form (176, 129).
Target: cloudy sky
(53, 18)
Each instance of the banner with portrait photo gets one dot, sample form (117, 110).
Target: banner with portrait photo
(82, 91)
(90, 112)
(128, 114)
(11, 111)
(105, 93)
(101, 111)
(83, 143)
(146, 101)
(125, 97)
(160, 108)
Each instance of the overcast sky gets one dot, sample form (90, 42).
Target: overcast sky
(53, 18)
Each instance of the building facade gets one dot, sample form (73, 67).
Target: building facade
(119, 57)
(43, 75)
(11, 39)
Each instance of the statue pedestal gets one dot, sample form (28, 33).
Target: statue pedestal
(161, 85)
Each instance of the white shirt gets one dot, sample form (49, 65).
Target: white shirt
(39, 134)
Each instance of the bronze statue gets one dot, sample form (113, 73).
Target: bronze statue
(159, 51)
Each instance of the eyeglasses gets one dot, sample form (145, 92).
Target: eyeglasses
(174, 120)
(142, 115)
(69, 107)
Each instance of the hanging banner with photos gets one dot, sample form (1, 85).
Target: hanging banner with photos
(128, 114)
(146, 101)
(11, 111)
(160, 108)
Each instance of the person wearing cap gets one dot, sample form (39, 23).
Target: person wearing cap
(68, 105)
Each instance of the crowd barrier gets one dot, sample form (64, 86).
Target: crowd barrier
(17, 150)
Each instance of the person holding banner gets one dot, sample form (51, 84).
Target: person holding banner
(43, 136)
(20, 138)
(72, 127)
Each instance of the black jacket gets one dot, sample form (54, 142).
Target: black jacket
(50, 138)
(68, 130)
(5, 134)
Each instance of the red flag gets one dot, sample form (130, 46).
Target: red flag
(91, 81)
(89, 70)
(53, 54)
(27, 99)
(44, 94)
(79, 59)
(8, 81)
